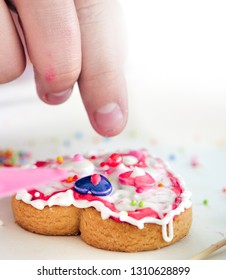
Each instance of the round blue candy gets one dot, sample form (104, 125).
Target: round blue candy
(86, 185)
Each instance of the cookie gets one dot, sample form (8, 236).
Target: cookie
(123, 201)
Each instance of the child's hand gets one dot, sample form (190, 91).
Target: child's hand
(68, 42)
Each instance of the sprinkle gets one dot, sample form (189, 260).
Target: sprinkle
(69, 179)
(133, 202)
(139, 190)
(59, 159)
(9, 157)
(205, 202)
(1, 223)
(114, 160)
(160, 185)
(224, 190)
(95, 179)
(141, 204)
(102, 164)
(67, 143)
(172, 157)
(75, 177)
(194, 161)
(93, 157)
(79, 135)
(78, 157)
(37, 194)
(106, 139)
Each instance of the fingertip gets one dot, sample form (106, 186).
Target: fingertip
(56, 98)
(109, 120)
(55, 89)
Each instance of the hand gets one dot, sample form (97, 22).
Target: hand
(68, 42)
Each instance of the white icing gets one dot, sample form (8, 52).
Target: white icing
(129, 160)
(137, 172)
(83, 167)
(160, 199)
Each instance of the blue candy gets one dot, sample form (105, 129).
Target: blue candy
(86, 185)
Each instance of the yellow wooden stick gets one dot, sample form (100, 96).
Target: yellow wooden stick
(206, 252)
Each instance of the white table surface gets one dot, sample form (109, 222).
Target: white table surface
(206, 181)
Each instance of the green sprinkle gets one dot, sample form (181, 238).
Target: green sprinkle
(133, 202)
(141, 204)
(205, 202)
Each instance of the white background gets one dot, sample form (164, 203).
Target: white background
(176, 73)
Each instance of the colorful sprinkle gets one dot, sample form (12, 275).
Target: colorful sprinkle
(139, 190)
(114, 160)
(78, 157)
(37, 194)
(141, 204)
(59, 159)
(69, 179)
(9, 157)
(133, 202)
(93, 157)
(95, 179)
(205, 202)
(79, 135)
(194, 161)
(67, 143)
(224, 190)
(172, 157)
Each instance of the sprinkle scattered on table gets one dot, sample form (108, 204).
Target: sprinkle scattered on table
(205, 202)
(10, 157)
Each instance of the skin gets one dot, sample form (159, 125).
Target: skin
(69, 42)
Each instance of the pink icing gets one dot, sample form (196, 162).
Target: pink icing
(143, 182)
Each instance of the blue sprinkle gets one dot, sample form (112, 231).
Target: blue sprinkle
(79, 135)
(172, 157)
(66, 142)
(106, 139)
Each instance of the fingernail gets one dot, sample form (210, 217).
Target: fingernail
(58, 97)
(109, 117)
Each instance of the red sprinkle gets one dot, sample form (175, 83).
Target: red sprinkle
(194, 161)
(114, 160)
(93, 157)
(95, 179)
(139, 190)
